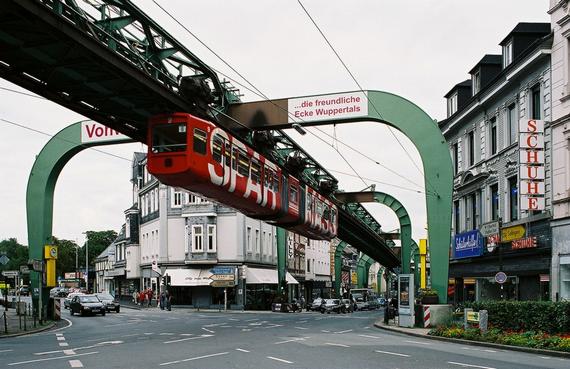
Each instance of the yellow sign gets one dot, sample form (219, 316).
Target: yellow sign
(512, 233)
(473, 316)
(353, 277)
(50, 252)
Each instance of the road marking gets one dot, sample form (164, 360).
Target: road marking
(166, 334)
(336, 344)
(246, 330)
(324, 331)
(59, 334)
(273, 326)
(417, 342)
(190, 338)
(61, 338)
(63, 344)
(364, 335)
(391, 353)
(469, 365)
(207, 330)
(348, 330)
(301, 328)
(53, 358)
(234, 319)
(69, 352)
(76, 363)
(194, 358)
(242, 350)
(6, 350)
(148, 334)
(130, 335)
(186, 334)
(251, 320)
(277, 359)
(291, 340)
(366, 327)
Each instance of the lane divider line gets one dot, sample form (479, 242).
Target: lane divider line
(469, 365)
(281, 360)
(194, 358)
(391, 353)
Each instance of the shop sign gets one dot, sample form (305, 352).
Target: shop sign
(492, 242)
(513, 233)
(531, 159)
(468, 244)
(473, 316)
(500, 277)
(353, 277)
(222, 284)
(223, 270)
(328, 107)
(488, 229)
(524, 243)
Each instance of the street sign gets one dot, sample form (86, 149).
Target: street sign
(222, 277)
(4, 259)
(155, 267)
(473, 317)
(24, 269)
(489, 229)
(223, 270)
(222, 284)
(500, 277)
(10, 273)
(37, 265)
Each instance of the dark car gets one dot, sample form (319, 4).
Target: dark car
(109, 302)
(331, 305)
(58, 292)
(86, 304)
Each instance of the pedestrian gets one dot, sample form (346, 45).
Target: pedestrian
(168, 301)
(136, 297)
(162, 300)
(145, 301)
(150, 296)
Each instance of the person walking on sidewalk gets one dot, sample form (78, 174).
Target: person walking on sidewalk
(162, 300)
(168, 301)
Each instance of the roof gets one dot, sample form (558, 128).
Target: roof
(466, 83)
(488, 59)
(527, 28)
(105, 252)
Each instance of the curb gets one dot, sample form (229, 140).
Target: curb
(530, 350)
(49, 326)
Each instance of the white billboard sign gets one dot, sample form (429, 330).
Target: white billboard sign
(531, 187)
(324, 107)
(531, 161)
(530, 156)
(532, 203)
(531, 126)
(532, 173)
(96, 132)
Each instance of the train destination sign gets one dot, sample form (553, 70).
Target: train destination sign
(324, 107)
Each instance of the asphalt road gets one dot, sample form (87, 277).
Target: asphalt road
(187, 339)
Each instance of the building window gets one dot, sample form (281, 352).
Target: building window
(512, 123)
(308, 265)
(248, 239)
(456, 216)
(177, 197)
(471, 143)
(455, 158)
(211, 238)
(186, 239)
(452, 105)
(493, 135)
(257, 241)
(197, 239)
(513, 198)
(476, 82)
(535, 108)
(474, 210)
(495, 202)
(508, 54)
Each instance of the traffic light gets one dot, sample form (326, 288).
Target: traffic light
(166, 280)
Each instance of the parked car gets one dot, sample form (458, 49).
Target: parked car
(347, 307)
(58, 292)
(86, 304)
(373, 304)
(109, 302)
(331, 305)
(381, 301)
(69, 297)
(24, 291)
(315, 305)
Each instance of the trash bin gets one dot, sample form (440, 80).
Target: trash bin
(21, 308)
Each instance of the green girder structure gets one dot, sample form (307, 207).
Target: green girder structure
(41, 185)
(363, 270)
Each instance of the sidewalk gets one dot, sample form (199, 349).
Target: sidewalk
(12, 324)
(423, 332)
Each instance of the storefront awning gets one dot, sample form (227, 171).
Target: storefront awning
(189, 277)
(266, 276)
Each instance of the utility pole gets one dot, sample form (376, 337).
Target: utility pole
(86, 261)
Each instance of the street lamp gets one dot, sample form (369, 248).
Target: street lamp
(86, 261)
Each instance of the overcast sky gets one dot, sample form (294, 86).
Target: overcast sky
(416, 49)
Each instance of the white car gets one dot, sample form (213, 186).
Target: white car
(69, 297)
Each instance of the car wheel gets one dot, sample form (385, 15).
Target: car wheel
(71, 312)
(117, 309)
(322, 311)
(103, 313)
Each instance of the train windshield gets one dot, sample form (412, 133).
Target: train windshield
(169, 137)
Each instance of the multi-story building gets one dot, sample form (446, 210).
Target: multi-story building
(501, 203)
(560, 128)
(187, 239)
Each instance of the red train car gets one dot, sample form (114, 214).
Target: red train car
(194, 154)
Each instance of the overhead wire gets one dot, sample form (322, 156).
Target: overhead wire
(362, 90)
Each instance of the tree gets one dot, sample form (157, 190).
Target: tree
(16, 252)
(98, 242)
(66, 256)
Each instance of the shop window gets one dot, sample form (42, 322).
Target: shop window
(494, 202)
(513, 198)
(565, 277)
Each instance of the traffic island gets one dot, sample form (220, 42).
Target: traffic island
(13, 324)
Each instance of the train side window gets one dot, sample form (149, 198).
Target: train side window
(255, 170)
(228, 154)
(309, 200)
(326, 212)
(276, 182)
(217, 147)
(293, 194)
(267, 180)
(333, 216)
(199, 141)
(243, 164)
(235, 156)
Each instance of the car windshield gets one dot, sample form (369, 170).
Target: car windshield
(104, 296)
(89, 299)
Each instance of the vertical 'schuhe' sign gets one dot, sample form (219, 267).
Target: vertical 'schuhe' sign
(531, 159)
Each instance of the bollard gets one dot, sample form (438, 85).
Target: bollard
(465, 311)
(25, 315)
(483, 321)
(427, 316)
(57, 309)
(5, 323)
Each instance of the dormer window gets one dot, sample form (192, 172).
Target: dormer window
(508, 54)
(476, 82)
(452, 104)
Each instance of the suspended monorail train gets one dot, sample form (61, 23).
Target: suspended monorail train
(191, 153)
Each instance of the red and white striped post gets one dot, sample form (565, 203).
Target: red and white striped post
(427, 316)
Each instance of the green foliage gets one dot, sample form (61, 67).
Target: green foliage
(544, 316)
(427, 292)
(66, 256)
(98, 242)
(17, 253)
